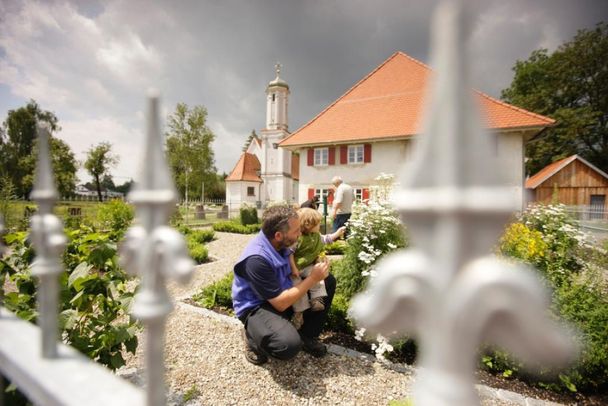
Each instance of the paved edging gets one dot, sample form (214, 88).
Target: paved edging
(484, 390)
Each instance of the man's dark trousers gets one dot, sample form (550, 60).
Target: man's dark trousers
(270, 331)
(340, 220)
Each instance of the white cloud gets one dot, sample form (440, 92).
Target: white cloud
(127, 143)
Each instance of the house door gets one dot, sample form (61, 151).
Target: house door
(597, 207)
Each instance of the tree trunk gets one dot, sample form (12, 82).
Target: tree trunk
(98, 184)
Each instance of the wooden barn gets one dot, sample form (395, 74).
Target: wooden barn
(572, 181)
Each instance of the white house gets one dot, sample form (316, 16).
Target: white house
(371, 129)
(265, 172)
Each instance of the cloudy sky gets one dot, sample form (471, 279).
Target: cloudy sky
(91, 62)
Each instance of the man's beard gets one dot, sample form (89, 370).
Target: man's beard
(287, 242)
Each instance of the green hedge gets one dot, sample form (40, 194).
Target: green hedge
(232, 227)
(248, 215)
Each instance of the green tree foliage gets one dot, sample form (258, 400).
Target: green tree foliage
(569, 85)
(18, 151)
(189, 150)
(251, 137)
(125, 188)
(99, 161)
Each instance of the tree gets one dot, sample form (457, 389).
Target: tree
(99, 161)
(249, 139)
(64, 166)
(125, 188)
(18, 151)
(189, 149)
(571, 86)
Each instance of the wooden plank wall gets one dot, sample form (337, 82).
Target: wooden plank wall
(575, 185)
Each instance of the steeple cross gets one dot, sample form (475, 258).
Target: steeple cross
(278, 67)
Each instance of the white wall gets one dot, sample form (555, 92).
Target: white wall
(387, 157)
(236, 194)
(390, 156)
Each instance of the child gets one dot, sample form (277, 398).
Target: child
(308, 251)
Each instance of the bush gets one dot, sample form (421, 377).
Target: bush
(375, 230)
(337, 318)
(202, 236)
(218, 294)
(94, 298)
(335, 248)
(248, 215)
(549, 239)
(115, 215)
(232, 227)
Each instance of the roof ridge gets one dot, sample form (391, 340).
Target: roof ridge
(424, 65)
(348, 91)
(518, 109)
(558, 165)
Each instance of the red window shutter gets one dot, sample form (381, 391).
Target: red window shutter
(367, 153)
(365, 194)
(311, 157)
(343, 154)
(331, 159)
(311, 193)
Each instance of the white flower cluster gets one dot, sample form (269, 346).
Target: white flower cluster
(382, 347)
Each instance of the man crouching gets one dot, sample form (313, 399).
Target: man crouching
(262, 292)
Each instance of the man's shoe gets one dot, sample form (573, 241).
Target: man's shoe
(314, 347)
(251, 355)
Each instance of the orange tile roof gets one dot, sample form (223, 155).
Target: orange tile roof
(388, 102)
(535, 181)
(245, 169)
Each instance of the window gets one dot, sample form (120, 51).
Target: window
(355, 154)
(250, 191)
(358, 195)
(321, 156)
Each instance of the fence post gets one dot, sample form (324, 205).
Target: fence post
(49, 242)
(447, 291)
(155, 252)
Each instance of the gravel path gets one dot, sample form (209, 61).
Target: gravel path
(205, 363)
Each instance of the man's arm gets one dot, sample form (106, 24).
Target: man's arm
(289, 296)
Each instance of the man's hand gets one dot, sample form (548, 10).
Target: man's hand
(320, 270)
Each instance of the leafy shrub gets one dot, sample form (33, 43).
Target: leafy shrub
(232, 227)
(375, 230)
(115, 215)
(94, 298)
(202, 236)
(218, 294)
(550, 240)
(199, 253)
(335, 248)
(337, 317)
(248, 215)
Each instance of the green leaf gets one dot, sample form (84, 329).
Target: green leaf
(131, 344)
(81, 271)
(568, 383)
(68, 318)
(116, 360)
(507, 373)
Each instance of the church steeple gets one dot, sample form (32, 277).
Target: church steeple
(277, 94)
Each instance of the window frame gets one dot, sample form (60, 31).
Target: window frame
(357, 148)
(252, 188)
(323, 152)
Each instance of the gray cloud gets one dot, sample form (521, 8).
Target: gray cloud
(92, 62)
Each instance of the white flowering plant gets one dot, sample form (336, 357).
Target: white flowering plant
(374, 230)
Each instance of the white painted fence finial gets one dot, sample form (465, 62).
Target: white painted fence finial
(49, 242)
(155, 251)
(455, 204)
